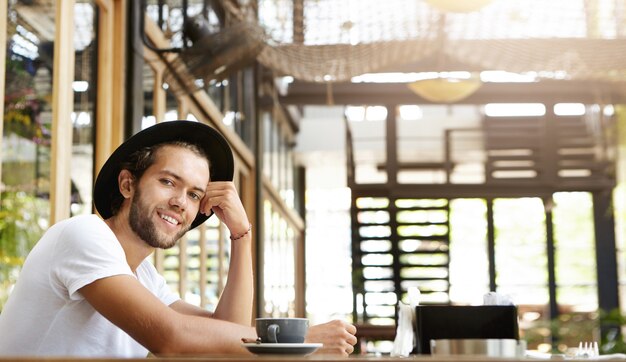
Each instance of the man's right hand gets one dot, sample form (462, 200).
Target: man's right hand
(337, 336)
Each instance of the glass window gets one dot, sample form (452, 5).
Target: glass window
(26, 143)
(328, 229)
(171, 268)
(574, 239)
(520, 231)
(279, 270)
(367, 125)
(469, 263)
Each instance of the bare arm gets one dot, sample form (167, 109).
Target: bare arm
(235, 303)
(185, 308)
(225, 310)
(162, 330)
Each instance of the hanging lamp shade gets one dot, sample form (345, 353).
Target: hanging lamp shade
(445, 90)
(458, 6)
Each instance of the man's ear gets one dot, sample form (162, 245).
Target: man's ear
(126, 183)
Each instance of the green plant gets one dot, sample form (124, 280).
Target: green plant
(571, 328)
(22, 104)
(20, 228)
(22, 117)
(563, 332)
(611, 338)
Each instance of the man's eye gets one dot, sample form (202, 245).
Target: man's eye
(165, 181)
(195, 196)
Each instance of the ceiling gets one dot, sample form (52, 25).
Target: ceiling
(574, 49)
(568, 50)
(333, 41)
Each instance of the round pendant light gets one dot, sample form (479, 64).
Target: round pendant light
(445, 90)
(458, 6)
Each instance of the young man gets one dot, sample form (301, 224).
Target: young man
(87, 288)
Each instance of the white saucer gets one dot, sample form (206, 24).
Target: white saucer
(282, 348)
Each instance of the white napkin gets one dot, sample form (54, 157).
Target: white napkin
(405, 341)
(493, 298)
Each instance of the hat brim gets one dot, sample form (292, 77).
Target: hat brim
(209, 139)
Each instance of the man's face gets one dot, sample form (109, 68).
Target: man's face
(167, 197)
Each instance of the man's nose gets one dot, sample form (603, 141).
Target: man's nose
(179, 199)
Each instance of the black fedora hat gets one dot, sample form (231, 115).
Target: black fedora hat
(211, 141)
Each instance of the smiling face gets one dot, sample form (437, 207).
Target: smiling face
(167, 197)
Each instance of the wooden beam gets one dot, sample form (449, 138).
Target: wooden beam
(63, 101)
(118, 85)
(104, 5)
(545, 91)
(182, 267)
(159, 96)
(604, 229)
(292, 217)
(509, 189)
(203, 256)
(43, 25)
(105, 142)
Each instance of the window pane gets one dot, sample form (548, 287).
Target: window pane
(27, 125)
(520, 245)
(469, 264)
(574, 239)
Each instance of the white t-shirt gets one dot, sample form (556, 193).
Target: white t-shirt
(46, 316)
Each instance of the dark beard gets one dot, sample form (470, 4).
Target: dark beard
(141, 224)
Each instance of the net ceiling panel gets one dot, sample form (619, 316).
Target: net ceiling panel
(334, 40)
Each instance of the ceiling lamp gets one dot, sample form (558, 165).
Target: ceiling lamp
(458, 6)
(445, 90)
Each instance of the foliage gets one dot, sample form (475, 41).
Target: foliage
(611, 323)
(571, 328)
(22, 106)
(19, 231)
(22, 117)
(567, 330)
(22, 214)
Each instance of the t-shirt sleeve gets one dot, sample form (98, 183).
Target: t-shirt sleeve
(151, 279)
(85, 252)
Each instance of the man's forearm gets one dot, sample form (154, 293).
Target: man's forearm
(235, 304)
(194, 334)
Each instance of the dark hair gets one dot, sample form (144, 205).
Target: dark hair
(139, 161)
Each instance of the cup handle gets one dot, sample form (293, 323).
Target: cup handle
(272, 331)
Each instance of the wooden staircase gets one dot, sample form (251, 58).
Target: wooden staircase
(402, 244)
(556, 150)
(401, 232)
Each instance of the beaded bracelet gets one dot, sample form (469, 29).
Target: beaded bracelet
(237, 237)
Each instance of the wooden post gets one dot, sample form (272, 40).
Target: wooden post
(62, 101)
(118, 87)
(105, 143)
